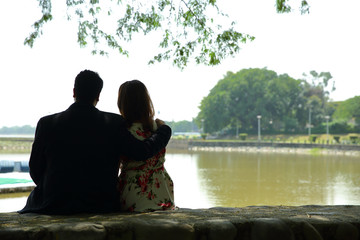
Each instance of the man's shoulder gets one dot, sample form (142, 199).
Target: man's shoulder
(50, 117)
(112, 115)
(112, 118)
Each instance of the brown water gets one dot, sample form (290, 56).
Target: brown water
(229, 179)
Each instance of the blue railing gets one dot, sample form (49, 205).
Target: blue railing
(13, 166)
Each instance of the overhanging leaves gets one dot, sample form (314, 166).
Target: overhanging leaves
(190, 30)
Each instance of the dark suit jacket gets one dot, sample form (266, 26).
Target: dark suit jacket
(74, 160)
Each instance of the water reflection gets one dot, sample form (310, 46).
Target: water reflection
(13, 202)
(189, 191)
(242, 179)
(229, 179)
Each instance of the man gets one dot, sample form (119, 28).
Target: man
(74, 160)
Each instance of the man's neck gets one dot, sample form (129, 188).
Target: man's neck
(87, 102)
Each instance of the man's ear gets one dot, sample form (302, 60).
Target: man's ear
(74, 95)
(96, 100)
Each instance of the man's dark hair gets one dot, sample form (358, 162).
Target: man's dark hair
(88, 86)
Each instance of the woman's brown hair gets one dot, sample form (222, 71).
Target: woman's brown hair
(135, 104)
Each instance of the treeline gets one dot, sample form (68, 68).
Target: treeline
(183, 126)
(26, 129)
(280, 103)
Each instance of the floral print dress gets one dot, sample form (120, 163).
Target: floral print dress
(145, 185)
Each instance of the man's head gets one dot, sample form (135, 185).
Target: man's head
(87, 88)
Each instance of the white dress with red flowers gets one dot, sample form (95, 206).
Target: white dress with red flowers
(145, 185)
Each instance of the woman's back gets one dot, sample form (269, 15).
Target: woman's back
(145, 185)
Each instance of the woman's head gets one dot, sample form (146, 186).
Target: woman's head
(135, 104)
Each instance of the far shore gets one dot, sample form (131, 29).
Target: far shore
(13, 145)
(265, 147)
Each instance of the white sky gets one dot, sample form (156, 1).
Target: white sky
(39, 81)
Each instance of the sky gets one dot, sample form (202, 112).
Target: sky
(38, 81)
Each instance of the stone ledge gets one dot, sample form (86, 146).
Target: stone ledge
(256, 222)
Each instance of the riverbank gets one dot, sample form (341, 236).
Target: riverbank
(16, 144)
(15, 182)
(250, 223)
(23, 145)
(268, 147)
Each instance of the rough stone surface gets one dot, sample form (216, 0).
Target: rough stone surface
(250, 223)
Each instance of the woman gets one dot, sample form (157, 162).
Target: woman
(144, 185)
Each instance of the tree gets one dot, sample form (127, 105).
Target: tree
(215, 112)
(348, 111)
(188, 28)
(284, 96)
(316, 95)
(238, 98)
(283, 6)
(182, 126)
(26, 129)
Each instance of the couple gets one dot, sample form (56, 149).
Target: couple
(77, 153)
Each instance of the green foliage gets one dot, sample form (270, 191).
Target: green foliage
(340, 127)
(337, 139)
(353, 138)
(349, 110)
(312, 138)
(239, 97)
(203, 136)
(316, 96)
(284, 103)
(183, 126)
(26, 129)
(188, 30)
(282, 6)
(243, 136)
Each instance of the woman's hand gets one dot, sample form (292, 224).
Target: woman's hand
(159, 122)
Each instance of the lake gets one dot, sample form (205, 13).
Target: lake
(238, 179)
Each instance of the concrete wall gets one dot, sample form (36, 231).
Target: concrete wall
(234, 144)
(262, 146)
(249, 223)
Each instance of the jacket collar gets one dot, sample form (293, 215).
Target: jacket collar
(82, 105)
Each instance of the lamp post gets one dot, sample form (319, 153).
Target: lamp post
(327, 128)
(259, 131)
(202, 125)
(237, 121)
(237, 129)
(309, 121)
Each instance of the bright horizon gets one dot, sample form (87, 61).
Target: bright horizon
(39, 81)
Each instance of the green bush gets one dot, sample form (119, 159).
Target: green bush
(203, 136)
(243, 136)
(312, 138)
(337, 139)
(353, 138)
(340, 127)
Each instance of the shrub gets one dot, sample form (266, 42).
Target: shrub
(312, 138)
(340, 127)
(203, 136)
(353, 138)
(243, 136)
